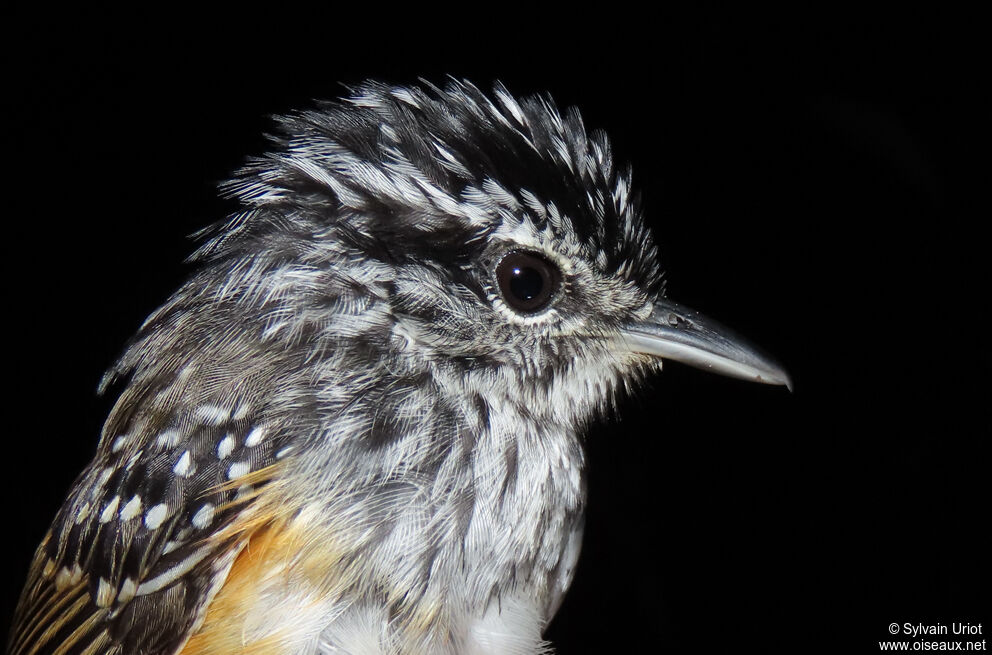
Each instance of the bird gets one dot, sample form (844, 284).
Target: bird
(357, 427)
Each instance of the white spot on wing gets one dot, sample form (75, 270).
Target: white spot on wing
(132, 509)
(238, 469)
(204, 516)
(110, 509)
(62, 579)
(225, 447)
(128, 588)
(83, 513)
(156, 515)
(255, 437)
(105, 593)
(118, 443)
(182, 467)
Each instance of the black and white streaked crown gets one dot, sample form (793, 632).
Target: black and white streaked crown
(437, 170)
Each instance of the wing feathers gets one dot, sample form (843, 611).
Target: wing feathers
(136, 551)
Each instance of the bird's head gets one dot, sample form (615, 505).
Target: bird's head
(489, 238)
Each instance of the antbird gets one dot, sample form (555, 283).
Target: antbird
(356, 428)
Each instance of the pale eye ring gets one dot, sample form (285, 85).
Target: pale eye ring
(527, 281)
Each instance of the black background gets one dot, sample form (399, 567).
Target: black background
(810, 180)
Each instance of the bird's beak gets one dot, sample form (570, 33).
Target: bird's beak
(684, 335)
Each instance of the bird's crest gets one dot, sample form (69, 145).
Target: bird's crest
(433, 167)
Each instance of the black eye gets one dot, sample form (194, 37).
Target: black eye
(527, 281)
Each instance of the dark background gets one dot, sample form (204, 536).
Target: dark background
(810, 180)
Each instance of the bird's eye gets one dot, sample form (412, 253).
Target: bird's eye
(527, 281)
